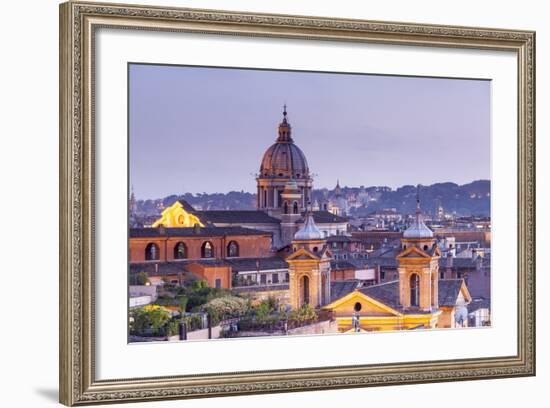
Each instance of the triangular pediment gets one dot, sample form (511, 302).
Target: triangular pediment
(302, 254)
(369, 305)
(413, 252)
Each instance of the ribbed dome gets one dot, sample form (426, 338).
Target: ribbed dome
(284, 158)
(309, 231)
(418, 230)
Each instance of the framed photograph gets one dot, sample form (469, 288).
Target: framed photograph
(255, 203)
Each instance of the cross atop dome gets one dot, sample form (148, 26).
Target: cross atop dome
(418, 229)
(285, 129)
(284, 180)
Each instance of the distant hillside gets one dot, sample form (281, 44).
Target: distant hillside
(469, 199)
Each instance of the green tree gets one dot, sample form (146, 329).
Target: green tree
(182, 302)
(303, 314)
(149, 320)
(225, 307)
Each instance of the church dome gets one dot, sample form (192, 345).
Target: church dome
(309, 231)
(418, 229)
(284, 158)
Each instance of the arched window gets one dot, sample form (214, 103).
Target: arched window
(265, 198)
(415, 284)
(152, 252)
(232, 249)
(425, 247)
(305, 290)
(285, 206)
(295, 207)
(207, 250)
(357, 307)
(180, 251)
(315, 249)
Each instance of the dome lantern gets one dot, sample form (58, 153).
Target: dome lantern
(284, 180)
(284, 158)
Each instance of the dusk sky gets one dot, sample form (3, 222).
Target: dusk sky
(206, 129)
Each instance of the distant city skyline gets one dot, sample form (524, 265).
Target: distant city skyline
(205, 130)
(330, 188)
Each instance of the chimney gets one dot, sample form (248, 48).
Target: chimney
(162, 229)
(197, 229)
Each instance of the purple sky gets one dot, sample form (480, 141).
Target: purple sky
(206, 129)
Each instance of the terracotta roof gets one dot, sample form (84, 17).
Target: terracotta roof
(388, 293)
(191, 232)
(253, 264)
(159, 268)
(342, 238)
(336, 265)
(388, 262)
(325, 217)
(236, 217)
(340, 289)
(466, 263)
(448, 291)
(261, 288)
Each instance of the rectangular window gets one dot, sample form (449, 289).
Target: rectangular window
(382, 275)
(218, 283)
(263, 278)
(287, 277)
(275, 278)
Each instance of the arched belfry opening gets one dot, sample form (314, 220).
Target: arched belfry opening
(415, 290)
(304, 290)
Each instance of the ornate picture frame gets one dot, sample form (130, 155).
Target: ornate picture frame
(78, 24)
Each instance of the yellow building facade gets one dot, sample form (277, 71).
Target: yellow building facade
(175, 216)
(373, 315)
(417, 300)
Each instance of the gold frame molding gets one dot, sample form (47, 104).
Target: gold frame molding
(78, 22)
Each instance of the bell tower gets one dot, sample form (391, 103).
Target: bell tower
(418, 266)
(292, 211)
(309, 267)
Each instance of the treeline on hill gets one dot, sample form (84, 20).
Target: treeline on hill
(467, 199)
